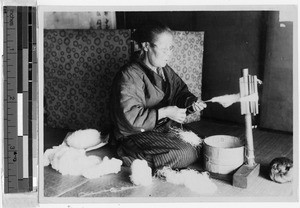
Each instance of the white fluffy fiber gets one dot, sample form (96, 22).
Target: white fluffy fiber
(187, 136)
(253, 97)
(70, 157)
(192, 179)
(107, 166)
(190, 137)
(226, 100)
(54, 152)
(82, 139)
(71, 161)
(141, 173)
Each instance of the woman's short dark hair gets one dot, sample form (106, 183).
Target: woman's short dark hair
(149, 31)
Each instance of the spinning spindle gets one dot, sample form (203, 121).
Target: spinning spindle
(250, 170)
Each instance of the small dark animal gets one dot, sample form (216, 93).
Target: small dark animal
(281, 170)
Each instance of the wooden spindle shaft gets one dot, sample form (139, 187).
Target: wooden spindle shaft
(248, 172)
(248, 120)
(250, 92)
(242, 94)
(256, 91)
(246, 88)
(249, 141)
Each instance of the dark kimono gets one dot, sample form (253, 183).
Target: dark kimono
(137, 94)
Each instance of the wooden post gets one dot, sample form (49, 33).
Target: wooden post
(248, 121)
(249, 141)
(250, 170)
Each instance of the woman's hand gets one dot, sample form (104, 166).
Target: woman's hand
(199, 105)
(172, 112)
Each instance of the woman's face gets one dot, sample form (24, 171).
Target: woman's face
(160, 50)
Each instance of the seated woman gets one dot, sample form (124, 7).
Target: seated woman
(147, 96)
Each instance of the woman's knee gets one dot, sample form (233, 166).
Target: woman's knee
(187, 155)
(181, 158)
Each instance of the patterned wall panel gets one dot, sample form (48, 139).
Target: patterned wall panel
(187, 60)
(79, 66)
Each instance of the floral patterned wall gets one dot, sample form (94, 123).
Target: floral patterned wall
(79, 67)
(80, 20)
(186, 60)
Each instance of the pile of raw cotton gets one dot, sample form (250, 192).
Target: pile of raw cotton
(192, 179)
(141, 173)
(187, 136)
(69, 158)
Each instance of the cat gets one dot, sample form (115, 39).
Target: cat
(281, 170)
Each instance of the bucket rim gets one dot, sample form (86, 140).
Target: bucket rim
(241, 142)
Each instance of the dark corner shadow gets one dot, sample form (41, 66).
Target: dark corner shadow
(264, 171)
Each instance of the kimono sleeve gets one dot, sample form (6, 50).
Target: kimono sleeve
(132, 100)
(182, 96)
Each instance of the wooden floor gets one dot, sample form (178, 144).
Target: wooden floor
(268, 145)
